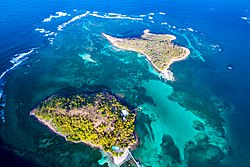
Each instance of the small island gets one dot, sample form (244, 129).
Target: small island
(158, 49)
(98, 120)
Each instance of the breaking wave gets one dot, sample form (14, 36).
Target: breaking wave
(60, 27)
(58, 14)
(115, 16)
(16, 60)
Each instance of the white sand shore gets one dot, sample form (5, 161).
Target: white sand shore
(121, 159)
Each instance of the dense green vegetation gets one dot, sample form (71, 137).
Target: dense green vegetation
(158, 47)
(94, 119)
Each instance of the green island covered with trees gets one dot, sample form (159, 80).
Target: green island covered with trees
(97, 119)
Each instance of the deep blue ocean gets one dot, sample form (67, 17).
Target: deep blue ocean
(218, 31)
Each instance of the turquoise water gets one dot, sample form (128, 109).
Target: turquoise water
(37, 59)
(176, 125)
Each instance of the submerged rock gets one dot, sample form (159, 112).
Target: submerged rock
(169, 149)
(205, 155)
(198, 125)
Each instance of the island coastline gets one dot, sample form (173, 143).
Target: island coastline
(117, 159)
(166, 72)
(52, 129)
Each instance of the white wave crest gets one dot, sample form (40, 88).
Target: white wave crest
(19, 56)
(247, 19)
(116, 16)
(60, 27)
(50, 34)
(244, 18)
(190, 29)
(18, 59)
(216, 46)
(150, 17)
(16, 64)
(51, 40)
(164, 23)
(58, 14)
(41, 30)
(151, 14)
(162, 13)
(46, 33)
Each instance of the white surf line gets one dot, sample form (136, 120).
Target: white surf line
(190, 29)
(21, 55)
(115, 16)
(18, 59)
(60, 27)
(244, 18)
(45, 32)
(58, 14)
(247, 19)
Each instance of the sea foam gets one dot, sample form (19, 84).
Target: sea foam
(115, 16)
(45, 32)
(190, 29)
(60, 27)
(164, 23)
(19, 56)
(247, 19)
(2, 99)
(58, 14)
(16, 60)
(244, 18)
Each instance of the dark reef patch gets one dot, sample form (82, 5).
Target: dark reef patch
(169, 150)
(198, 125)
(203, 107)
(203, 155)
(143, 126)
